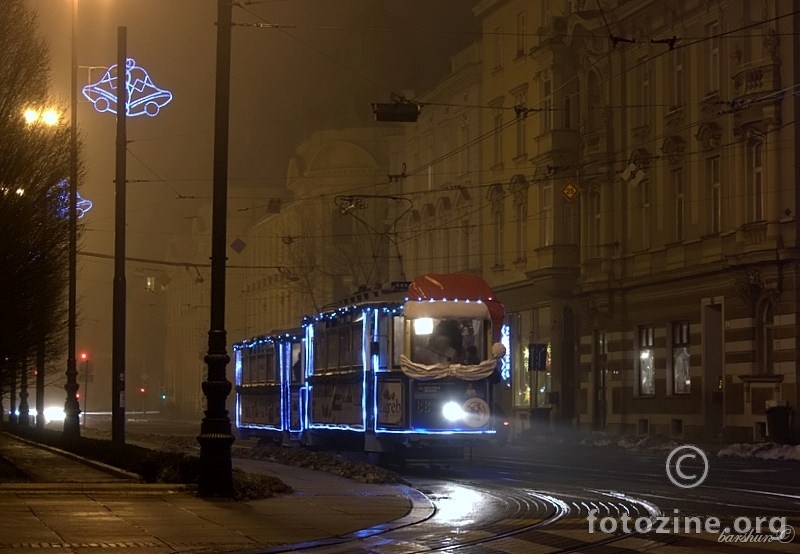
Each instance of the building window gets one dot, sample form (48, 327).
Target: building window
(678, 192)
(547, 215)
(602, 344)
(712, 45)
(764, 337)
(465, 241)
(521, 378)
(522, 221)
(463, 151)
(498, 47)
(431, 250)
(567, 112)
(594, 224)
(681, 377)
(497, 223)
(542, 329)
(677, 78)
(643, 107)
(521, 34)
(498, 139)
(647, 371)
(546, 102)
(755, 172)
(520, 123)
(644, 214)
(714, 194)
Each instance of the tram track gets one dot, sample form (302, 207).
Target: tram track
(471, 516)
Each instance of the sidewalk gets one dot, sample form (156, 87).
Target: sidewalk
(80, 508)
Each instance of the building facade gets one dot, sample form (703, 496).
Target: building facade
(657, 257)
(622, 173)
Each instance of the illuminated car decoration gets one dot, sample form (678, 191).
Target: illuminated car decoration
(60, 195)
(144, 98)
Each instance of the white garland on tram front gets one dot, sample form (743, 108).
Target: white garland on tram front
(474, 372)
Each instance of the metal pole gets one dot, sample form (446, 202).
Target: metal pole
(216, 471)
(71, 407)
(24, 409)
(40, 352)
(118, 331)
(85, 389)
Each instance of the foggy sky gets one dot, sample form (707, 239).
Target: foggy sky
(319, 67)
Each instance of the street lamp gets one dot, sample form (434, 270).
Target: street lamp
(216, 468)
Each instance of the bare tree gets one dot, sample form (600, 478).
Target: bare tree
(34, 168)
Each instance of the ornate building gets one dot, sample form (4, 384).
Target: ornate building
(623, 174)
(647, 201)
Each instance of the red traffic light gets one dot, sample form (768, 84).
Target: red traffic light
(84, 356)
(141, 389)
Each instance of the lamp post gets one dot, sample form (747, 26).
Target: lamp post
(216, 471)
(119, 293)
(71, 407)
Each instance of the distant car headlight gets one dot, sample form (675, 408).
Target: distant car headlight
(54, 414)
(452, 411)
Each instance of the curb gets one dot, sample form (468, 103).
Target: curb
(422, 508)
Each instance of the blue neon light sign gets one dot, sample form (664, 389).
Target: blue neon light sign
(144, 98)
(60, 192)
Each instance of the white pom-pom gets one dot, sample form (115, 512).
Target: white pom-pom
(498, 350)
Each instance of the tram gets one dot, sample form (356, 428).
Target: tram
(406, 373)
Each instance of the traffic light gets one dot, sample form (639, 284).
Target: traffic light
(142, 390)
(84, 356)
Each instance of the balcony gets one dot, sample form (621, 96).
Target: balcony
(757, 80)
(594, 146)
(753, 234)
(555, 268)
(558, 140)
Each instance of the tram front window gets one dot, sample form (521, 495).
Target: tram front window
(439, 340)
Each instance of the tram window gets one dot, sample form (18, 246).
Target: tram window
(356, 351)
(332, 336)
(245, 375)
(398, 336)
(346, 353)
(320, 352)
(384, 328)
(270, 371)
(261, 365)
(448, 341)
(297, 363)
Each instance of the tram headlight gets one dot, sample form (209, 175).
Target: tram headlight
(452, 411)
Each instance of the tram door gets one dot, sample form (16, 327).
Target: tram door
(295, 384)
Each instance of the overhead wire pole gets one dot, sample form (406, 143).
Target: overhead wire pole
(71, 407)
(216, 439)
(119, 292)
